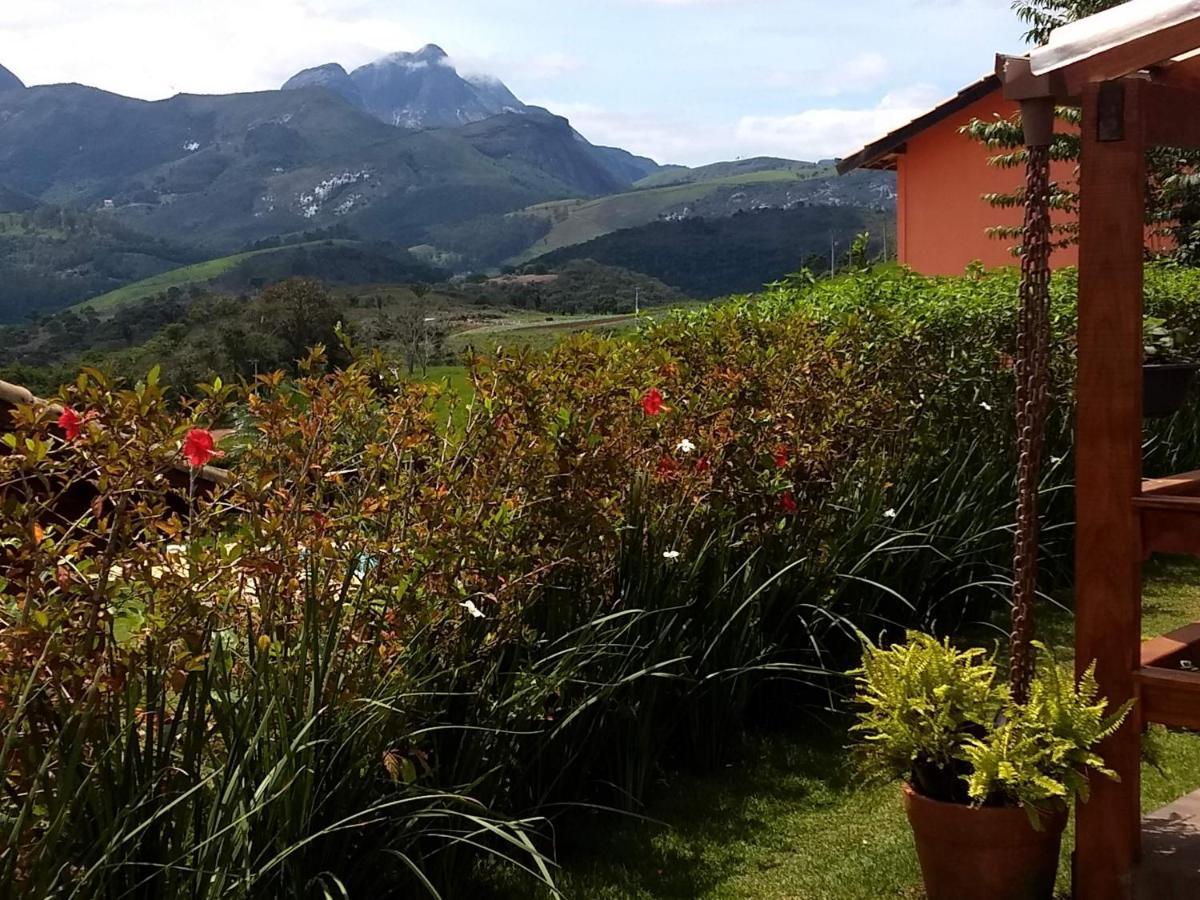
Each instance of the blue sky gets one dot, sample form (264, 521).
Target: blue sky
(688, 81)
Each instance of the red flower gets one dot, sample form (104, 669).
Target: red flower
(667, 468)
(781, 456)
(70, 422)
(787, 502)
(703, 465)
(652, 403)
(199, 448)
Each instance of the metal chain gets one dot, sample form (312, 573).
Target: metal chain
(1032, 376)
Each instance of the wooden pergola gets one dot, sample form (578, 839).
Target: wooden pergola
(1135, 73)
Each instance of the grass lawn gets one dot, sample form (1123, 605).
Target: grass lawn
(793, 821)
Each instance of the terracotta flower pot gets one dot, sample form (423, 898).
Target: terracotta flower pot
(989, 853)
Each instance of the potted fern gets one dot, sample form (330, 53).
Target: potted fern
(986, 781)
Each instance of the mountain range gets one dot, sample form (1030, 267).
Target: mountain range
(404, 149)
(221, 171)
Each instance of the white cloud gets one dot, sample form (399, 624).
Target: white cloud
(657, 135)
(823, 133)
(156, 48)
(818, 133)
(548, 66)
(696, 2)
(544, 66)
(861, 72)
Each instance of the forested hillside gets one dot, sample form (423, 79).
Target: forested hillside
(51, 257)
(713, 257)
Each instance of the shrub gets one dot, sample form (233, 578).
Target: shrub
(414, 625)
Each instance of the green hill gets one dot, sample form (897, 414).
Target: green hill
(184, 276)
(734, 169)
(710, 193)
(332, 261)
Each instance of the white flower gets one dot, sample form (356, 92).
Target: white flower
(1055, 460)
(987, 406)
(685, 446)
(469, 606)
(889, 514)
(670, 554)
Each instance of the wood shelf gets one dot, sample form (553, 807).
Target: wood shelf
(1168, 679)
(1168, 508)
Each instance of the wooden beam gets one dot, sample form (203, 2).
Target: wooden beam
(1172, 114)
(1108, 466)
(1168, 697)
(1169, 525)
(1182, 73)
(1157, 47)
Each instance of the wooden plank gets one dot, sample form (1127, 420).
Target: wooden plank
(1169, 524)
(1152, 49)
(1171, 115)
(1169, 697)
(1108, 476)
(1183, 483)
(1156, 650)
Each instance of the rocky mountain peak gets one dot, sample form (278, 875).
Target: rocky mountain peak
(9, 81)
(330, 76)
(432, 53)
(422, 89)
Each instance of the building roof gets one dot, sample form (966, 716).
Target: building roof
(1121, 26)
(881, 154)
(1158, 40)
(1119, 41)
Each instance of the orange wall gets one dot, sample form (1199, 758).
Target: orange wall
(942, 220)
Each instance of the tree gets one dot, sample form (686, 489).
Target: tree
(422, 337)
(302, 314)
(1173, 185)
(1043, 16)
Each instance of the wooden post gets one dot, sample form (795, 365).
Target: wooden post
(1108, 461)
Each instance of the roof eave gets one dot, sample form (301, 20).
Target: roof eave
(887, 147)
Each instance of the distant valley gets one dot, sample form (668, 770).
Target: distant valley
(454, 174)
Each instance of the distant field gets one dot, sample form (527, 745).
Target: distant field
(519, 328)
(198, 273)
(542, 330)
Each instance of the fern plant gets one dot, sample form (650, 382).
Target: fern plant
(941, 719)
(922, 700)
(1041, 753)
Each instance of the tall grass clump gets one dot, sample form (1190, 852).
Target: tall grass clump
(412, 631)
(214, 690)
